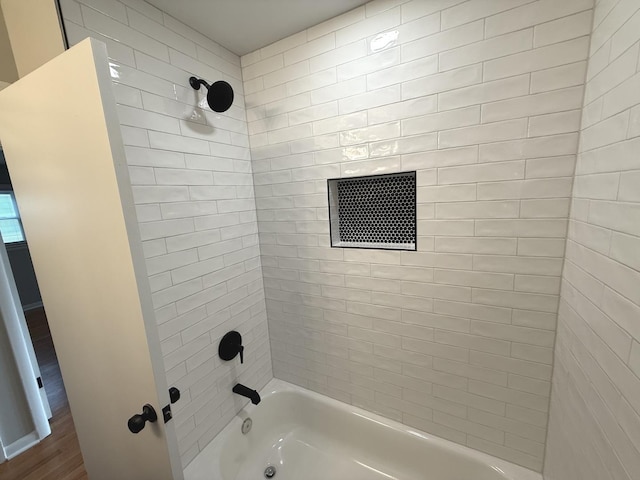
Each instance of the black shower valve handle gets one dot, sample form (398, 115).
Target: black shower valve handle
(230, 346)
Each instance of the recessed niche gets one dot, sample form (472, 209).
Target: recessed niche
(377, 211)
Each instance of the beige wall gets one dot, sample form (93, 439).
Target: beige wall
(27, 20)
(8, 72)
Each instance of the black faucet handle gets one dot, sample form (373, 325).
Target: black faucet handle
(241, 352)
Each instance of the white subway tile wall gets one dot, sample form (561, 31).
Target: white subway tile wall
(483, 98)
(192, 183)
(594, 431)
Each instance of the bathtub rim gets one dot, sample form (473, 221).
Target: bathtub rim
(207, 463)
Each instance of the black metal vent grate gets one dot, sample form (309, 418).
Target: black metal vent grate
(377, 211)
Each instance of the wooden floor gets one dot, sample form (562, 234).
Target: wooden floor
(58, 456)
(47, 360)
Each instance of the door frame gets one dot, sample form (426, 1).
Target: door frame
(23, 353)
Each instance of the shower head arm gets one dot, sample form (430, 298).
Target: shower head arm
(196, 82)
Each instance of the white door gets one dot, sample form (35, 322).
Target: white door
(64, 150)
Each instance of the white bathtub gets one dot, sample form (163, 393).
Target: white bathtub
(308, 436)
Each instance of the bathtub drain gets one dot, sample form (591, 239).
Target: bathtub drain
(246, 426)
(270, 472)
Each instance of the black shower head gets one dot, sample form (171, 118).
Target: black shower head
(219, 96)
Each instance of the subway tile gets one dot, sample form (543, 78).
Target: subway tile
(609, 18)
(402, 110)
(537, 59)
(441, 158)
(486, 50)
(533, 14)
(413, 10)
(370, 99)
(492, 132)
(566, 28)
(263, 67)
(446, 40)
(440, 121)
(469, 11)
(462, 210)
(122, 33)
(338, 56)
(481, 173)
(370, 134)
(613, 75)
(442, 82)
(310, 49)
(485, 93)
(336, 23)
(549, 228)
(555, 123)
(447, 193)
(435, 349)
(368, 64)
(153, 29)
(625, 36)
(520, 189)
(470, 400)
(545, 208)
(538, 104)
(404, 72)
(474, 279)
(473, 311)
(447, 292)
(511, 365)
(529, 148)
(528, 336)
(537, 283)
(369, 26)
(558, 77)
(622, 97)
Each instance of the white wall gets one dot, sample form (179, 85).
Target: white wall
(594, 431)
(191, 176)
(483, 99)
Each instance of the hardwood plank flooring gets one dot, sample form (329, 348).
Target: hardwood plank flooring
(47, 359)
(58, 456)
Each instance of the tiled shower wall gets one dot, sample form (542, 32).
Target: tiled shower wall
(483, 98)
(595, 405)
(191, 176)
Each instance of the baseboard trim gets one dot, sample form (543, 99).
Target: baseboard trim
(19, 446)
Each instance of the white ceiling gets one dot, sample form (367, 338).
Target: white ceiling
(243, 26)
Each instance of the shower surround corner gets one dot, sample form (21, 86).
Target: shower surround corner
(483, 100)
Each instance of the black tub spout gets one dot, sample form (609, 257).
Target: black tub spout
(252, 395)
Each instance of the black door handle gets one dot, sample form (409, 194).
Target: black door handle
(137, 422)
